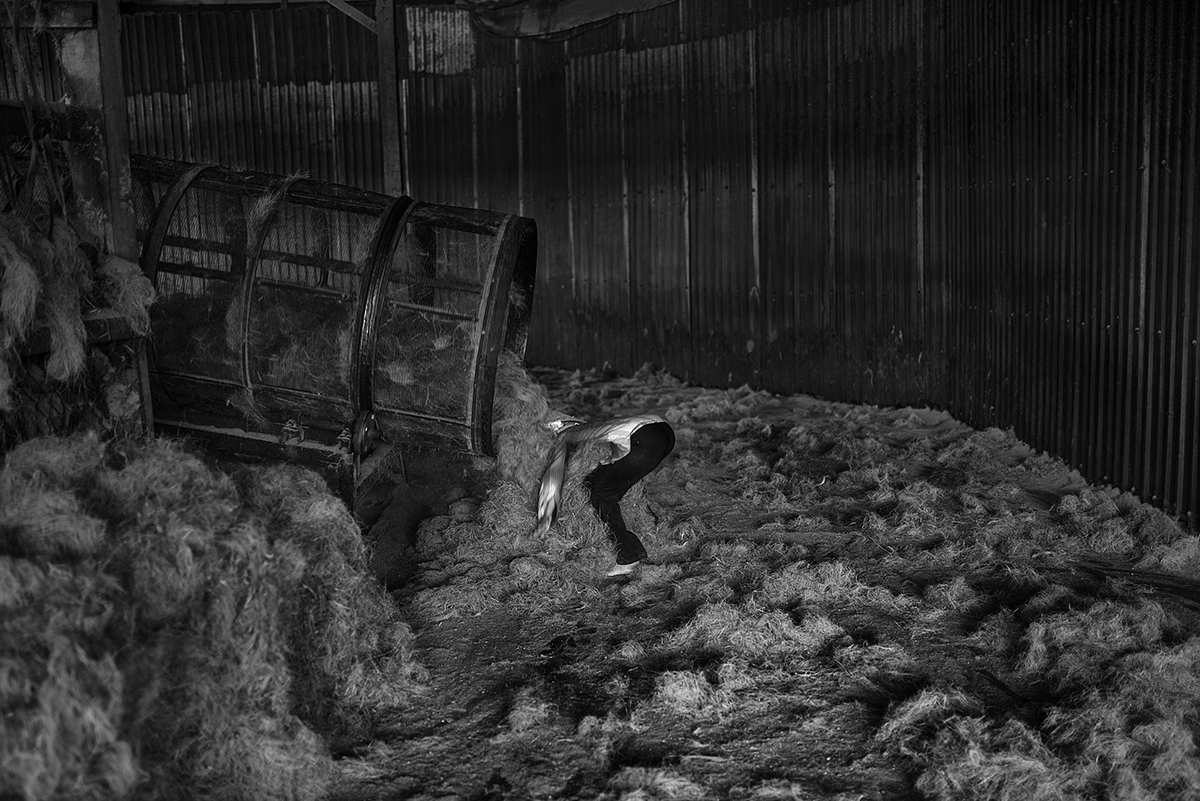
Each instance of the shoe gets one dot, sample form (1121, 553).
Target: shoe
(621, 569)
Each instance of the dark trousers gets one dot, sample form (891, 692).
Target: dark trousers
(608, 483)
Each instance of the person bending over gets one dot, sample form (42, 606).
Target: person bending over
(641, 443)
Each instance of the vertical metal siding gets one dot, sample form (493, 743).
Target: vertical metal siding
(542, 70)
(718, 131)
(656, 188)
(793, 128)
(497, 119)
(441, 91)
(355, 145)
(1187, 486)
(274, 90)
(989, 207)
(1173, 186)
(442, 139)
(872, 107)
(1064, 154)
(43, 68)
(596, 173)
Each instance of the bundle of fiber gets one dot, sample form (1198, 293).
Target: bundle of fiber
(498, 560)
(392, 534)
(42, 280)
(521, 412)
(64, 286)
(20, 282)
(214, 709)
(61, 690)
(167, 630)
(352, 656)
(41, 515)
(6, 382)
(23, 256)
(127, 291)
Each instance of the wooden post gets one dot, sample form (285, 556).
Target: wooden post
(390, 109)
(93, 79)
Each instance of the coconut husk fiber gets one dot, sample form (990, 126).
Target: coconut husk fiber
(497, 557)
(42, 282)
(521, 411)
(167, 630)
(65, 285)
(127, 291)
(6, 382)
(22, 254)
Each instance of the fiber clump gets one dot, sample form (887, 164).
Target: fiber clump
(127, 291)
(44, 279)
(522, 410)
(979, 760)
(25, 256)
(20, 283)
(1136, 733)
(65, 285)
(1075, 650)
(206, 636)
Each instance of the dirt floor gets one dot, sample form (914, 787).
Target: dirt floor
(841, 602)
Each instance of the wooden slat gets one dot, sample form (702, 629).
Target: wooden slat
(389, 97)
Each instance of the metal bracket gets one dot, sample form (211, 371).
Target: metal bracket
(365, 434)
(292, 431)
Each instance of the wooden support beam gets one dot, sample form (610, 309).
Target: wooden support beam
(119, 194)
(93, 81)
(390, 108)
(550, 19)
(150, 6)
(98, 144)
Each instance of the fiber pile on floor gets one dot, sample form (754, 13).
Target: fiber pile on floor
(841, 602)
(170, 631)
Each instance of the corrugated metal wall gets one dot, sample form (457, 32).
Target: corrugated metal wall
(1061, 158)
(986, 206)
(43, 67)
(273, 90)
(728, 190)
(989, 207)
